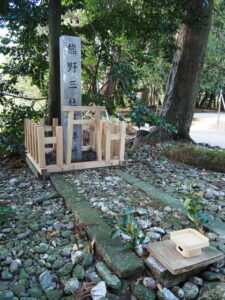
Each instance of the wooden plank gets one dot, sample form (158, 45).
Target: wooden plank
(32, 139)
(55, 123)
(34, 166)
(107, 142)
(48, 128)
(35, 143)
(25, 132)
(69, 138)
(165, 252)
(59, 146)
(122, 141)
(98, 136)
(83, 108)
(82, 165)
(48, 150)
(114, 136)
(86, 148)
(41, 122)
(83, 122)
(28, 136)
(50, 140)
(41, 147)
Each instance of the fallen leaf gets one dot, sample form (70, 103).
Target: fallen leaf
(91, 246)
(53, 233)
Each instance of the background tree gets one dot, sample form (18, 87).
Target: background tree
(184, 79)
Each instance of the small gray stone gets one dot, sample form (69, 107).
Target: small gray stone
(178, 292)
(142, 293)
(59, 263)
(167, 209)
(211, 236)
(190, 290)
(66, 252)
(158, 230)
(58, 226)
(41, 198)
(6, 275)
(211, 276)
(54, 295)
(153, 236)
(45, 279)
(197, 280)
(87, 259)
(71, 286)
(78, 272)
(19, 290)
(70, 226)
(111, 280)
(14, 181)
(23, 235)
(150, 283)
(15, 264)
(6, 230)
(34, 292)
(6, 295)
(91, 275)
(66, 269)
(42, 248)
(213, 291)
(168, 295)
(77, 256)
(99, 291)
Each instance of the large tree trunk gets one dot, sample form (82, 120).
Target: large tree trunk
(54, 19)
(184, 79)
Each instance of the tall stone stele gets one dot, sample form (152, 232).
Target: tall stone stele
(70, 85)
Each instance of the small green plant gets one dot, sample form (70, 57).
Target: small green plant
(128, 225)
(12, 125)
(140, 115)
(195, 208)
(5, 213)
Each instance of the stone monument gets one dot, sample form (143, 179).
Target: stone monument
(70, 85)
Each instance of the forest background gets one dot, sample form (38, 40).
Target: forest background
(128, 50)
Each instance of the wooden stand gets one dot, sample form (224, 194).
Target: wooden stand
(106, 139)
(165, 252)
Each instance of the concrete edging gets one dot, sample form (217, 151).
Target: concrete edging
(122, 261)
(214, 225)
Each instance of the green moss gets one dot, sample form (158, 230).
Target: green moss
(198, 157)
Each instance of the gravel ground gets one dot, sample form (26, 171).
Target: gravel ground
(45, 255)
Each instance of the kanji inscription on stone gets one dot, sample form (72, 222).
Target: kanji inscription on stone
(70, 84)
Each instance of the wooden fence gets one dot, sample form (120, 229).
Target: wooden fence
(106, 139)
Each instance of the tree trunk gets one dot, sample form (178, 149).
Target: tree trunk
(182, 87)
(54, 19)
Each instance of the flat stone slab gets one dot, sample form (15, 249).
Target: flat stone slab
(165, 252)
(122, 261)
(153, 192)
(214, 225)
(163, 276)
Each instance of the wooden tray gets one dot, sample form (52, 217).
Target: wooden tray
(189, 242)
(165, 252)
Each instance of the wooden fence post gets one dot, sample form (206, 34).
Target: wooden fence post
(107, 142)
(41, 147)
(59, 146)
(122, 141)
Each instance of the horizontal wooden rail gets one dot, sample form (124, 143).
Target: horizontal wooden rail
(83, 108)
